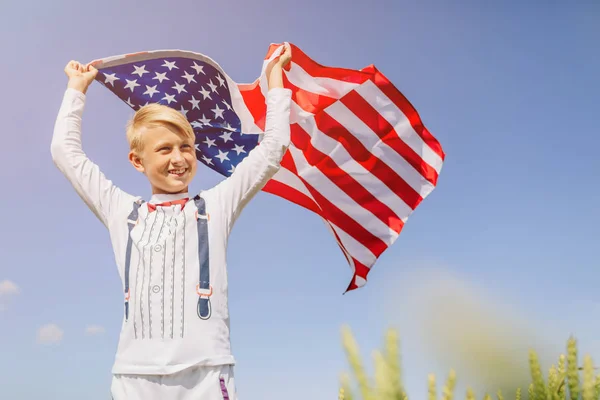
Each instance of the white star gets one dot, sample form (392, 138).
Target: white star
(227, 105)
(232, 170)
(183, 111)
(110, 78)
(229, 127)
(196, 124)
(213, 87)
(209, 142)
(170, 65)
(129, 102)
(131, 84)
(189, 77)
(205, 93)
(226, 136)
(199, 68)
(239, 149)
(161, 77)
(221, 80)
(222, 156)
(140, 70)
(151, 90)
(197, 146)
(218, 111)
(194, 103)
(140, 106)
(204, 120)
(169, 98)
(179, 88)
(207, 160)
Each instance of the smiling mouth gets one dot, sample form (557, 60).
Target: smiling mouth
(177, 172)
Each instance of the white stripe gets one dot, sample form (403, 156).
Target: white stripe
(340, 199)
(360, 281)
(375, 145)
(395, 117)
(323, 86)
(288, 178)
(297, 113)
(356, 249)
(364, 177)
(347, 254)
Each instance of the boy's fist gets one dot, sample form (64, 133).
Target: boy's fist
(285, 56)
(80, 76)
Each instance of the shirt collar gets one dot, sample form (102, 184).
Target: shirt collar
(161, 198)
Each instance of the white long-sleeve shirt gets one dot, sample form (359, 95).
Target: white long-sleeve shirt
(163, 332)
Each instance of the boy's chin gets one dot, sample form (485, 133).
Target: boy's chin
(171, 187)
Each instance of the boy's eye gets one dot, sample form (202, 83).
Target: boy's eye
(165, 148)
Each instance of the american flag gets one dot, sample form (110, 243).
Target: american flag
(360, 156)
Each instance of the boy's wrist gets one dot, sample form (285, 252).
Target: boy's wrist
(77, 85)
(275, 76)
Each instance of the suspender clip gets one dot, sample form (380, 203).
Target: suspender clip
(204, 292)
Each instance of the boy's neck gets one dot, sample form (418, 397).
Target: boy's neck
(162, 197)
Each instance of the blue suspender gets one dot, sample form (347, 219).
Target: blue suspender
(203, 289)
(131, 221)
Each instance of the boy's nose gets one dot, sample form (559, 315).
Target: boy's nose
(176, 157)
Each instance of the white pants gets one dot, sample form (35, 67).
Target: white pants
(197, 383)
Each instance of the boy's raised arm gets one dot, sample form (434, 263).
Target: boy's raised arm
(253, 173)
(99, 193)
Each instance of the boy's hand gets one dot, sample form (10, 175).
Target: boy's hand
(80, 76)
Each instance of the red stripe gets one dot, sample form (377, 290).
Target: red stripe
(332, 213)
(360, 270)
(329, 168)
(255, 101)
(347, 224)
(288, 192)
(291, 194)
(362, 155)
(406, 107)
(372, 73)
(373, 119)
(308, 101)
(321, 71)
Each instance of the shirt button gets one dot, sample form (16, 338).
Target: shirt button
(157, 248)
(156, 289)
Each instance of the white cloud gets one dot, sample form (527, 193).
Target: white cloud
(50, 333)
(8, 288)
(94, 330)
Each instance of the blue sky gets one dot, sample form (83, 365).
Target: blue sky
(503, 249)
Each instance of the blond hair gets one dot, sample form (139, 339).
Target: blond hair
(153, 115)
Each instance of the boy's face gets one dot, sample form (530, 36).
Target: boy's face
(168, 159)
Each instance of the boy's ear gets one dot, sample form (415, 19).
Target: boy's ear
(136, 161)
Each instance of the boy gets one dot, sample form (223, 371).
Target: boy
(171, 250)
